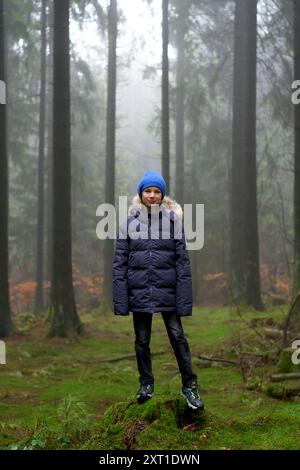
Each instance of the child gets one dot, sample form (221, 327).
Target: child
(151, 273)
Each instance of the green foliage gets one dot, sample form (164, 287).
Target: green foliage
(71, 422)
(70, 395)
(74, 418)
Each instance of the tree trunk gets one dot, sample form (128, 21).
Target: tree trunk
(39, 293)
(245, 280)
(64, 316)
(194, 193)
(110, 148)
(296, 279)
(5, 313)
(49, 202)
(165, 96)
(179, 171)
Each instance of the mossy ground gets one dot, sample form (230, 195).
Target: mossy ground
(61, 393)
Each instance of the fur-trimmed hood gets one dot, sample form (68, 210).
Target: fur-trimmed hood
(168, 204)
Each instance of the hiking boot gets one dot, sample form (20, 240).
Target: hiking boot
(145, 392)
(192, 396)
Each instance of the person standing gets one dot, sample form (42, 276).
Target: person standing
(152, 274)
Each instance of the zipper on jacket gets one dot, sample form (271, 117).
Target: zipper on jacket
(150, 256)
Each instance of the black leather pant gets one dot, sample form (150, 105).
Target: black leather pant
(142, 327)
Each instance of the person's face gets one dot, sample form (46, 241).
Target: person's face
(151, 195)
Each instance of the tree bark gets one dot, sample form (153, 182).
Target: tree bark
(49, 202)
(39, 293)
(5, 311)
(110, 148)
(165, 95)
(296, 277)
(244, 252)
(63, 311)
(179, 170)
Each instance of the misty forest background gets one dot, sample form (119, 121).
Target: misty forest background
(225, 133)
(97, 93)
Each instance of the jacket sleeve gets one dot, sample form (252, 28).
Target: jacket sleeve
(184, 287)
(120, 267)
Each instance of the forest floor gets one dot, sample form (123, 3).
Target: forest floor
(70, 393)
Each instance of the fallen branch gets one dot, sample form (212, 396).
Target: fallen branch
(287, 376)
(218, 359)
(274, 333)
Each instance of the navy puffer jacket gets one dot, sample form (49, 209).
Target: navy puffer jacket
(151, 273)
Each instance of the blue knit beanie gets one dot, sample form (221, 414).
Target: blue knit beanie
(152, 178)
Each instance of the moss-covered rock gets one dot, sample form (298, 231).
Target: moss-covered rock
(285, 363)
(281, 391)
(129, 425)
